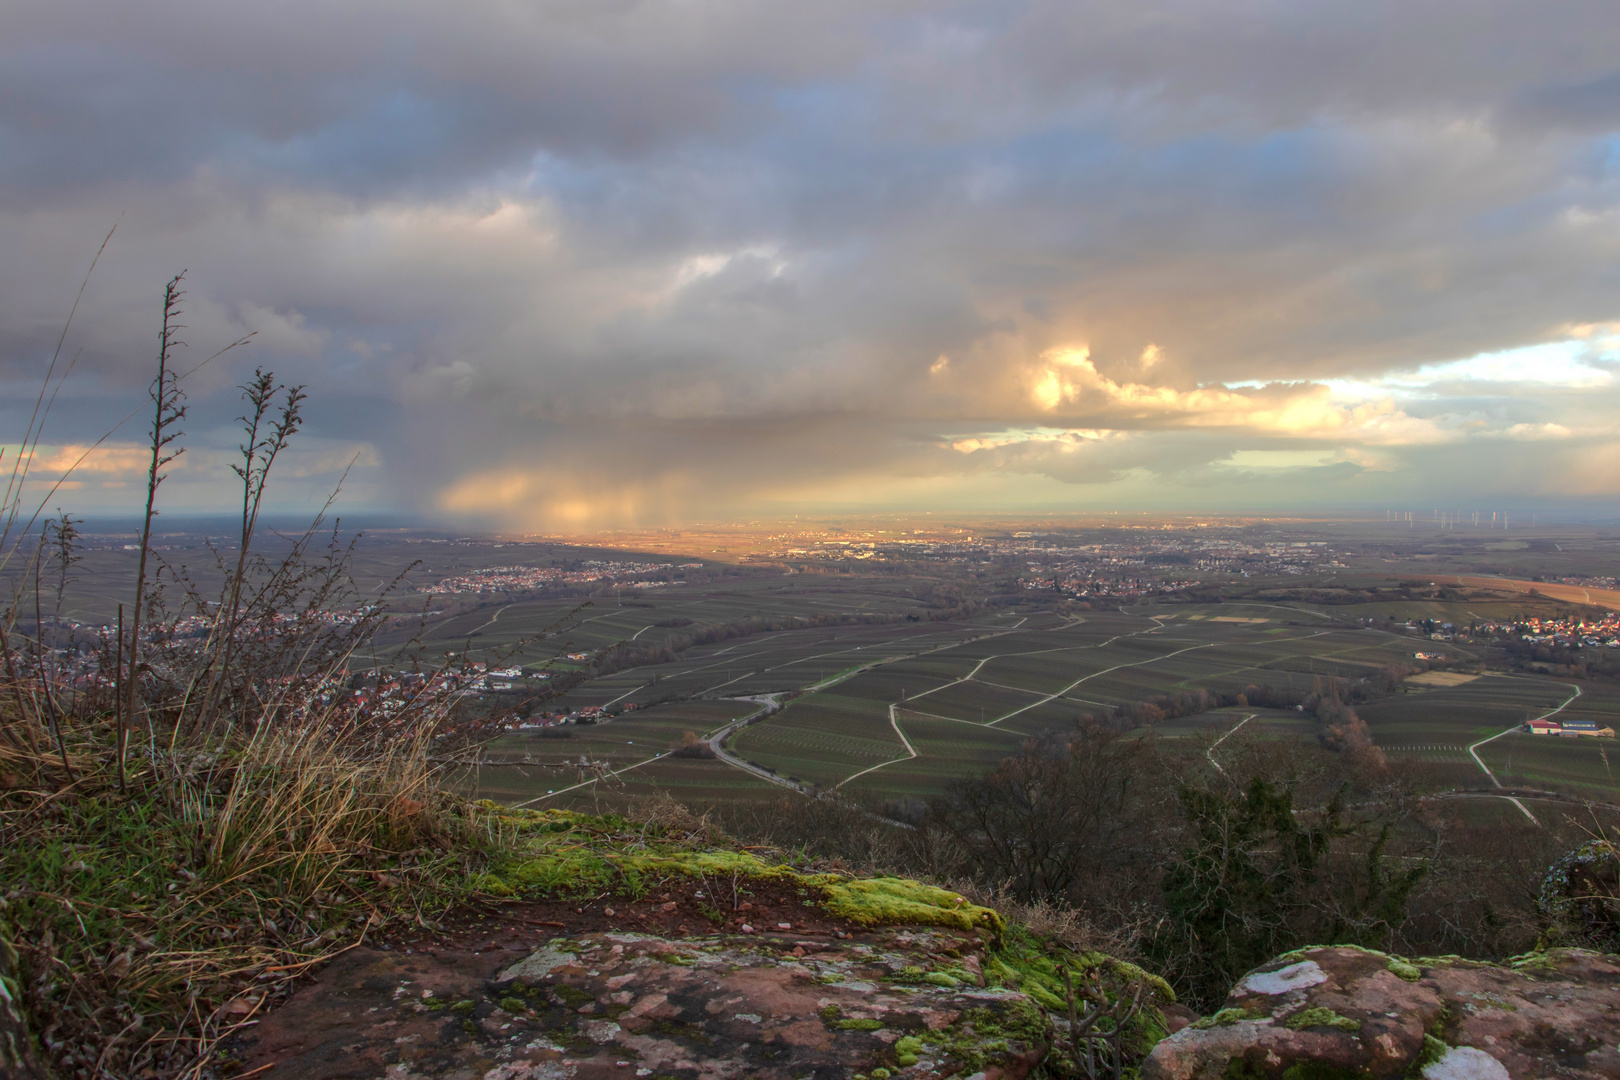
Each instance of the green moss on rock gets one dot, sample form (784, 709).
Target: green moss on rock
(572, 854)
(857, 1024)
(1317, 1016)
(1408, 971)
(981, 1034)
(1225, 1018)
(900, 901)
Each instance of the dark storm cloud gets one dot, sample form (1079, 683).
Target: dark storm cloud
(592, 261)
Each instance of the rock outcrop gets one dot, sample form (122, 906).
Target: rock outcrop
(604, 1005)
(618, 952)
(1346, 1012)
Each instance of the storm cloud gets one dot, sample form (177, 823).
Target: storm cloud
(567, 265)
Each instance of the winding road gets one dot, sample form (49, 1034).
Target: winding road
(1473, 747)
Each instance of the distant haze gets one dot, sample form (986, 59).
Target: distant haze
(604, 263)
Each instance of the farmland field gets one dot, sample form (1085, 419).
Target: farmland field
(896, 677)
(961, 702)
(900, 707)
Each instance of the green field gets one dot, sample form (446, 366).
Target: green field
(633, 742)
(1540, 761)
(1011, 683)
(963, 695)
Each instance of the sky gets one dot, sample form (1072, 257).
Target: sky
(589, 264)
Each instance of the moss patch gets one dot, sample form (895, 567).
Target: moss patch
(1316, 1016)
(566, 854)
(857, 1024)
(981, 1034)
(1433, 1050)
(1225, 1018)
(1404, 970)
(899, 901)
(1022, 962)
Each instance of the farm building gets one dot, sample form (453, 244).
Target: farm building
(1586, 727)
(1544, 727)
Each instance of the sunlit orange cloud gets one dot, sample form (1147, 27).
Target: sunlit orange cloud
(53, 462)
(1067, 380)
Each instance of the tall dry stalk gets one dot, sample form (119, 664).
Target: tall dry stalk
(259, 454)
(41, 669)
(168, 404)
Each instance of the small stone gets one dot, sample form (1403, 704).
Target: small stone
(747, 929)
(784, 926)
(608, 912)
(1293, 977)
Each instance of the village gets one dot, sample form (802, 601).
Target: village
(522, 578)
(1599, 632)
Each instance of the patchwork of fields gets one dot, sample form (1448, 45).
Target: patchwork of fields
(901, 707)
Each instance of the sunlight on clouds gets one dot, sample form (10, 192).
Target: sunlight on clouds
(1533, 432)
(1058, 438)
(1306, 410)
(553, 499)
(51, 462)
(201, 476)
(1280, 459)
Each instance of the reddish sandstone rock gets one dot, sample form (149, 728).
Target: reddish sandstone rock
(627, 1005)
(1351, 1012)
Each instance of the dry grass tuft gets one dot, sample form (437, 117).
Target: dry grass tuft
(149, 925)
(1053, 921)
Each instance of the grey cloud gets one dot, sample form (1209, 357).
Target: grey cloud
(732, 242)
